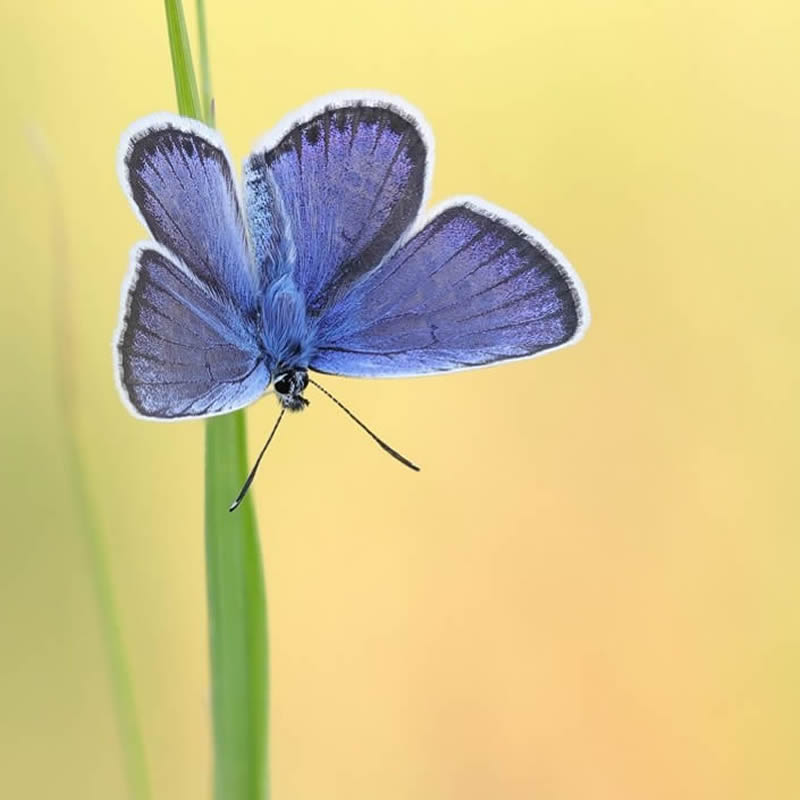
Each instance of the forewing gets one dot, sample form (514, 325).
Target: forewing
(352, 177)
(475, 286)
(182, 351)
(178, 176)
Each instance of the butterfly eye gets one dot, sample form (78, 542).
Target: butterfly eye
(283, 384)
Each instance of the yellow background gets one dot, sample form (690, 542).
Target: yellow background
(591, 590)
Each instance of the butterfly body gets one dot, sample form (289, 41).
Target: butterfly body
(286, 336)
(321, 265)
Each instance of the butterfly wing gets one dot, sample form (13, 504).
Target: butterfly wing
(180, 350)
(351, 175)
(473, 287)
(178, 177)
(186, 345)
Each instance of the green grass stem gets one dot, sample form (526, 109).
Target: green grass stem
(237, 619)
(235, 581)
(182, 66)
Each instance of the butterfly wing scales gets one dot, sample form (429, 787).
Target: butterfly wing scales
(181, 351)
(474, 287)
(178, 176)
(351, 177)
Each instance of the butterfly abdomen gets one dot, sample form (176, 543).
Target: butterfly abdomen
(285, 331)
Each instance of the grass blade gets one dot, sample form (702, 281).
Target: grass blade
(237, 619)
(122, 694)
(206, 95)
(235, 582)
(182, 67)
(133, 749)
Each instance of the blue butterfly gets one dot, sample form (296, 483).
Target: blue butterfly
(322, 264)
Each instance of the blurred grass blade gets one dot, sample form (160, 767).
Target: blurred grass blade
(122, 685)
(122, 694)
(206, 95)
(235, 582)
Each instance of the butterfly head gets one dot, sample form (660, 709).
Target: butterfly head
(289, 385)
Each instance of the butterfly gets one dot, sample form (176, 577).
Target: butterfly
(320, 263)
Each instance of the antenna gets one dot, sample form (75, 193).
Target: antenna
(390, 450)
(235, 504)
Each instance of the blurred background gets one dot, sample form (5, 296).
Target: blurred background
(590, 591)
